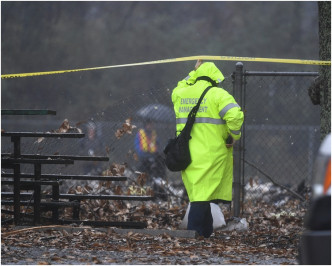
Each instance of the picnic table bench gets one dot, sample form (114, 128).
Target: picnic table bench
(27, 112)
(37, 178)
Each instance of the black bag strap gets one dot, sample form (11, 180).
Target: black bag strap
(193, 111)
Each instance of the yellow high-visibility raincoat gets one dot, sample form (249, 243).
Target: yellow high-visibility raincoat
(210, 174)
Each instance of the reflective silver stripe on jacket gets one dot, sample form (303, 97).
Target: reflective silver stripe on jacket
(235, 132)
(226, 108)
(188, 77)
(207, 120)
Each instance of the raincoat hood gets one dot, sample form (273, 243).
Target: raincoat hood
(208, 69)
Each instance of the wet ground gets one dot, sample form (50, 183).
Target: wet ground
(90, 246)
(72, 256)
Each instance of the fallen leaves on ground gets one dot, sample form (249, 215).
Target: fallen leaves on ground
(265, 239)
(114, 170)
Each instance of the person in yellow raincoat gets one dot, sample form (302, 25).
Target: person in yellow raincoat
(209, 177)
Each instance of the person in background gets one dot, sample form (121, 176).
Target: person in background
(218, 123)
(146, 146)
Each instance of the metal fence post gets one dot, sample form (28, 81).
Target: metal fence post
(17, 180)
(238, 147)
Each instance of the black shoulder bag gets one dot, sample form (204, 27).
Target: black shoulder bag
(177, 150)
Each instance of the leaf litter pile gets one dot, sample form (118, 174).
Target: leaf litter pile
(272, 236)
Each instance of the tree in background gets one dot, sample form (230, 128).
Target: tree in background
(320, 90)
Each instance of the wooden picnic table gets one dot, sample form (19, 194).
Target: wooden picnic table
(27, 112)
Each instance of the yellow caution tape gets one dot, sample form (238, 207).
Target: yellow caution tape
(179, 59)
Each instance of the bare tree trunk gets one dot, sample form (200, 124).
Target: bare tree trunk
(320, 90)
(324, 9)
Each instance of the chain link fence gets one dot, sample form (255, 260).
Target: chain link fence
(281, 136)
(114, 134)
